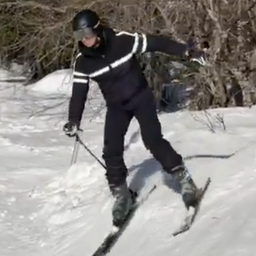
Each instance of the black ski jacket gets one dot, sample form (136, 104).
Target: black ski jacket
(115, 68)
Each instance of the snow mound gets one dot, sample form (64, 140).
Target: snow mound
(58, 82)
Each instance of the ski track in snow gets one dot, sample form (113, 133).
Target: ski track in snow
(50, 208)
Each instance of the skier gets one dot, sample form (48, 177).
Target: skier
(108, 57)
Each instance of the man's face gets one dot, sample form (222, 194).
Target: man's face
(87, 36)
(90, 41)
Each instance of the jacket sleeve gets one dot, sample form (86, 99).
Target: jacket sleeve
(137, 43)
(79, 92)
(163, 44)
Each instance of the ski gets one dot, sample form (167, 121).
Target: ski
(190, 218)
(116, 232)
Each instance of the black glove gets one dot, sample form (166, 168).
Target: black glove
(195, 54)
(198, 56)
(70, 129)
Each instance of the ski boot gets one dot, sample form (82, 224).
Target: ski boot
(124, 200)
(189, 191)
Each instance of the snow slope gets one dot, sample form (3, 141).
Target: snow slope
(48, 207)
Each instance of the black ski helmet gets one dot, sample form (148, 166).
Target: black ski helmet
(86, 23)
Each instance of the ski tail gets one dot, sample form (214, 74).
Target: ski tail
(116, 232)
(191, 216)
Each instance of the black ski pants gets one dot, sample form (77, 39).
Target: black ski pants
(143, 108)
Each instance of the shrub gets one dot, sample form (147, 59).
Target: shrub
(39, 33)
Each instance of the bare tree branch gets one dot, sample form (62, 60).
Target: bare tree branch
(38, 33)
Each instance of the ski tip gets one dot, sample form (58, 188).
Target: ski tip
(181, 230)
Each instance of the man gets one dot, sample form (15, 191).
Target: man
(108, 57)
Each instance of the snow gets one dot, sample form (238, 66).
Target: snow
(59, 81)
(48, 207)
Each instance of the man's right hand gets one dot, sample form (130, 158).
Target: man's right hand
(70, 129)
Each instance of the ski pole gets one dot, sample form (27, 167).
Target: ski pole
(75, 152)
(89, 151)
